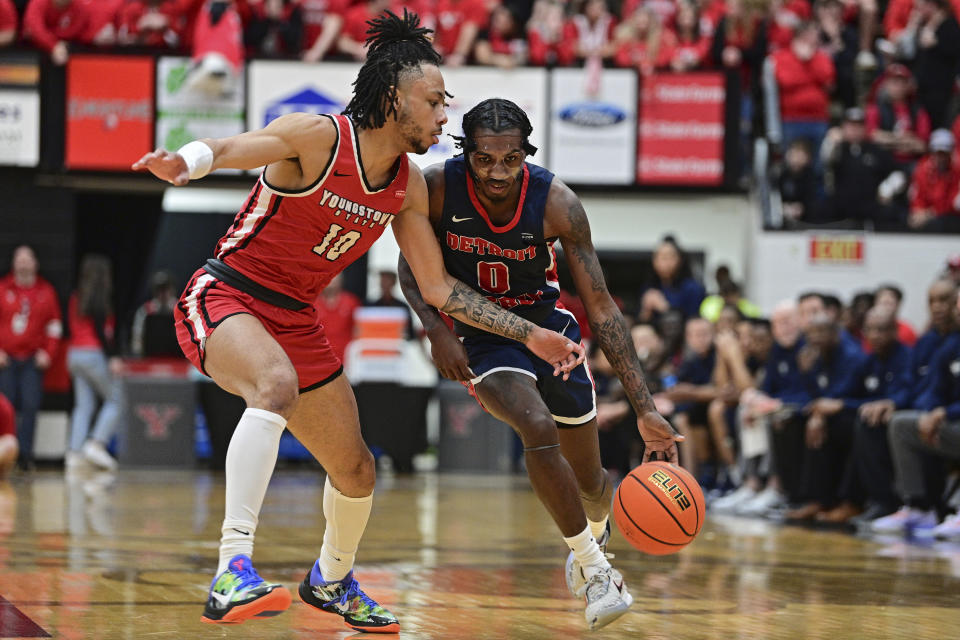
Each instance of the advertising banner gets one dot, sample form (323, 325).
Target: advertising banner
(187, 112)
(109, 111)
(19, 127)
(593, 126)
(278, 88)
(681, 129)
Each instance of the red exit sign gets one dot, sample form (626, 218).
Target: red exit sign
(836, 250)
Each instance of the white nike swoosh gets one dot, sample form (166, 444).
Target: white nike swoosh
(456, 219)
(223, 598)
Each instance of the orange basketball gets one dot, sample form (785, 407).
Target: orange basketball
(659, 508)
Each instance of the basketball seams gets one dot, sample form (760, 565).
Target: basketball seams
(623, 510)
(660, 502)
(679, 478)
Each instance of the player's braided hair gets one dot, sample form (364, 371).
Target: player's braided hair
(395, 45)
(496, 114)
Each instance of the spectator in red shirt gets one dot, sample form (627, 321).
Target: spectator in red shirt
(8, 23)
(103, 22)
(591, 30)
(458, 23)
(275, 29)
(217, 49)
(644, 43)
(546, 35)
(935, 187)
(693, 46)
(786, 16)
(501, 44)
(94, 366)
(9, 448)
(152, 23)
(353, 36)
(336, 307)
(895, 120)
(30, 331)
(322, 22)
(804, 77)
(52, 24)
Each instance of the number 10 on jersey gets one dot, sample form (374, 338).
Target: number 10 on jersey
(334, 244)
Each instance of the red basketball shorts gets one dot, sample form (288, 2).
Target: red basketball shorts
(206, 302)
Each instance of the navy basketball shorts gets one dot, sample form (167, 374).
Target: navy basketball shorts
(571, 403)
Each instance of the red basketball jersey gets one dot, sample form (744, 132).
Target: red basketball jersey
(295, 242)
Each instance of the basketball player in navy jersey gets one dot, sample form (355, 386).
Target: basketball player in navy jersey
(496, 217)
(331, 186)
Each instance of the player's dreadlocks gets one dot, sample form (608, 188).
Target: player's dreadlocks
(496, 114)
(395, 45)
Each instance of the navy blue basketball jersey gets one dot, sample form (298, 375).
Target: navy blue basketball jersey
(512, 265)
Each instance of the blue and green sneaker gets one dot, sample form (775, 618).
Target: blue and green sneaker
(345, 598)
(239, 593)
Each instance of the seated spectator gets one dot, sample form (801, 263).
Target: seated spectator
(353, 36)
(944, 321)
(144, 340)
(890, 297)
(693, 392)
(672, 286)
(666, 10)
(932, 430)
(935, 188)
(388, 285)
(501, 44)
(879, 387)
(730, 295)
(828, 366)
(9, 447)
(8, 23)
(458, 23)
(839, 40)
(804, 77)
(692, 49)
(275, 29)
(335, 307)
(322, 22)
(52, 25)
(546, 35)
(728, 319)
(952, 272)
(591, 32)
(862, 178)
(670, 328)
(895, 120)
(856, 313)
(938, 53)
(152, 23)
(798, 183)
(643, 43)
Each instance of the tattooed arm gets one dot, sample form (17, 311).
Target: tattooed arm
(566, 219)
(419, 245)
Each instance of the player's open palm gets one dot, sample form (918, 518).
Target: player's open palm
(449, 356)
(166, 165)
(659, 437)
(564, 354)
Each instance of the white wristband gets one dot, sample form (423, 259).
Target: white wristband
(199, 158)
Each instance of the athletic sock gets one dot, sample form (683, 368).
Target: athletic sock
(346, 520)
(251, 457)
(598, 528)
(587, 552)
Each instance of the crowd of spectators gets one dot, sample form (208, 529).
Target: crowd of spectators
(839, 414)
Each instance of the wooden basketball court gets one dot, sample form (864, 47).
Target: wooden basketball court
(453, 556)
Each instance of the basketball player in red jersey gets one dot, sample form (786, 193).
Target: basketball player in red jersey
(498, 217)
(330, 187)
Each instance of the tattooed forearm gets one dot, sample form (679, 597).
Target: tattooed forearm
(614, 339)
(468, 306)
(411, 291)
(582, 247)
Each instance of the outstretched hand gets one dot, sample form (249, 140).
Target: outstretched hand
(166, 165)
(659, 437)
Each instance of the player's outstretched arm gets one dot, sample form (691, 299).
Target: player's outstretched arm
(566, 219)
(282, 139)
(439, 289)
(447, 351)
